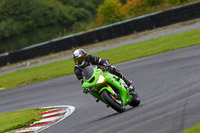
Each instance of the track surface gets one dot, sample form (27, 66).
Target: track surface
(167, 83)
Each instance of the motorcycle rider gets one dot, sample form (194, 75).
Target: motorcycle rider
(82, 60)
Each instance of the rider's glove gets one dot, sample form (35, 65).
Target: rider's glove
(106, 62)
(106, 68)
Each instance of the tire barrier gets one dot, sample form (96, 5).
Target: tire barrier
(142, 23)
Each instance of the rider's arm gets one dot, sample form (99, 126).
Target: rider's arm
(78, 73)
(97, 60)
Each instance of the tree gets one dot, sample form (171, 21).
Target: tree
(21, 17)
(97, 2)
(18, 16)
(86, 4)
(109, 12)
(133, 7)
(153, 3)
(177, 2)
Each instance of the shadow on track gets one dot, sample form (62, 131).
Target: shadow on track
(112, 115)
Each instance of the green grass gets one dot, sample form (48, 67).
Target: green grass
(194, 129)
(18, 119)
(116, 55)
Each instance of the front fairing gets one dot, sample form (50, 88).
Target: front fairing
(92, 81)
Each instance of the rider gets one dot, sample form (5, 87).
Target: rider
(82, 60)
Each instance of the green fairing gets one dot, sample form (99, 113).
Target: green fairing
(110, 80)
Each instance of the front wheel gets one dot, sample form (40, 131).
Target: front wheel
(136, 100)
(112, 101)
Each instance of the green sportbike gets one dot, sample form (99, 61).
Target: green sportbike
(108, 88)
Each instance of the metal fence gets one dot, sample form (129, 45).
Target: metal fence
(142, 23)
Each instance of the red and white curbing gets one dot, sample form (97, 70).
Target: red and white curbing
(50, 118)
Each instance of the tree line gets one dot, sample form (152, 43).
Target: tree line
(26, 22)
(117, 10)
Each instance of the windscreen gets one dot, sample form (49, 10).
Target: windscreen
(88, 72)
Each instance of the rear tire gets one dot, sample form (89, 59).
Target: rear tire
(119, 107)
(136, 100)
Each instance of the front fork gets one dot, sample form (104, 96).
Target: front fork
(113, 93)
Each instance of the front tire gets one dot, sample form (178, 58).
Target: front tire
(116, 104)
(136, 100)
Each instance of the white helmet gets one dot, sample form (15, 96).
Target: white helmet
(79, 56)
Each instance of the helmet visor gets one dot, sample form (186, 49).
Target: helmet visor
(79, 60)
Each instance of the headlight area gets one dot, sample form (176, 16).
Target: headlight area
(101, 79)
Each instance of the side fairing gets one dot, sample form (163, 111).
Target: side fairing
(120, 86)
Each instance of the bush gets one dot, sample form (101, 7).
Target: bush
(26, 15)
(26, 22)
(109, 12)
(133, 7)
(86, 4)
(153, 3)
(20, 17)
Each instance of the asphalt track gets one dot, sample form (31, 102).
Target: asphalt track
(167, 83)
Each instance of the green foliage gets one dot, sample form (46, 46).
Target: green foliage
(133, 7)
(153, 3)
(19, 18)
(178, 2)
(9, 27)
(123, 1)
(109, 12)
(82, 14)
(26, 22)
(86, 4)
(31, 37)
(97, 2)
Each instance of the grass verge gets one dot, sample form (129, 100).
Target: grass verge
(194, 129)
(116, 55)
(19, 119)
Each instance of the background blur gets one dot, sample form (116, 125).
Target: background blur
(25, 22)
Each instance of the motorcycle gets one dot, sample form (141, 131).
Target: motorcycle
(108, 88)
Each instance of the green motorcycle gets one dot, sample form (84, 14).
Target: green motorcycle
(108, 88)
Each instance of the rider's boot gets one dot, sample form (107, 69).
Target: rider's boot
(127, 81)
(131, 88)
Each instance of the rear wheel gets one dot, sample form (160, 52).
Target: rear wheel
(112, 101)
(136, 100)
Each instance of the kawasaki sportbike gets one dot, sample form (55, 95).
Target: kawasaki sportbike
(108, 88)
